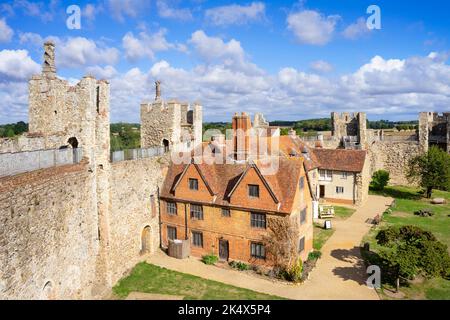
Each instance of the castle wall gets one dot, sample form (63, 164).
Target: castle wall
(49, 234)
(393, 157)
(133, 183)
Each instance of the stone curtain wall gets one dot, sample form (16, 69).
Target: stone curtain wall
(132, 183)
(48, 238)
(393, 157)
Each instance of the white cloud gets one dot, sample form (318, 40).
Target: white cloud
(106, 72)
(225, 80)
(90, 11)
(321, 66)
(146, 44)
(16, 65)
(74, 52)
(79, 51)
(6, 33)
(165, 11)
(42, 10)
(311, 27)
(356, 30)
(213, 50)
(236, 14)
(32, 38)
(131, 8)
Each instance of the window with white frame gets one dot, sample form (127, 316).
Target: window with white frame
(258, 250)
(197, 239)
(172, 208)
(196, 212)
(258, 220)
(325, 175)
(344, 175)
(339, 190)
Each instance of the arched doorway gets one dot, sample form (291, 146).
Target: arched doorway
(166, 145)
(146, 240)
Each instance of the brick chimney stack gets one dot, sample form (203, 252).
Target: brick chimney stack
(241, 140)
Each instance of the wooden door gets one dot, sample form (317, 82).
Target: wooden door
(223, 250)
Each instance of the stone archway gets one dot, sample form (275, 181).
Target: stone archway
(146, 240)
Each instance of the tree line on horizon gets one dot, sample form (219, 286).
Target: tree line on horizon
(127, 135)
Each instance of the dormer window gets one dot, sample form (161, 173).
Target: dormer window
(193, 184)
(253, 191)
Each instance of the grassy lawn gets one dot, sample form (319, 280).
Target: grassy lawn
(408, 200)
(343, 212)
(149, 278)
(321, 236)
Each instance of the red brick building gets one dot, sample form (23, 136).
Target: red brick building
(225, 209)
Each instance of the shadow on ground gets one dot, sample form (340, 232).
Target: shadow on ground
(356, 272)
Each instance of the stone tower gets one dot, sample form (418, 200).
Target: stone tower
(434, 129)
(351, 127)
(171, 124)
(78, 117)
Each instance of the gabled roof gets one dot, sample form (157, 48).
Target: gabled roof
(341, 159)
(223, 178)
(178, 180)
(264, 181)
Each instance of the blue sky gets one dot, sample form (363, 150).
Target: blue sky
(288, 59)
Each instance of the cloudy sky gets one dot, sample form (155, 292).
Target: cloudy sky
(289, 59)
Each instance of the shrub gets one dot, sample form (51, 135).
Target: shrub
(294, 274)
(410, 250)
(386, 236)
(239, 265)
(210, 259)
(380, 180)
(314, 255)
(413, 234)
(424, 213)
(434, 259)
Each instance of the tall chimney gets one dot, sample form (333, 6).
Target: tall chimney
(158, 90)
(48, 67)
(241, 140)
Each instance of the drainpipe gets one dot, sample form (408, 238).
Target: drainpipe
(159, 218)
(185, 223)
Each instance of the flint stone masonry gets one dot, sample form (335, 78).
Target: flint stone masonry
(393, 157)
(133, 183)
(48, 234)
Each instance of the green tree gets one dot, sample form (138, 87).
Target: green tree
(431, 170)
(409, 250)
(9, 133)
(380, 179)
(284, 131)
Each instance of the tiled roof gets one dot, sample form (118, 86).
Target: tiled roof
(292, 146)
(341, 159)
(222, 178)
